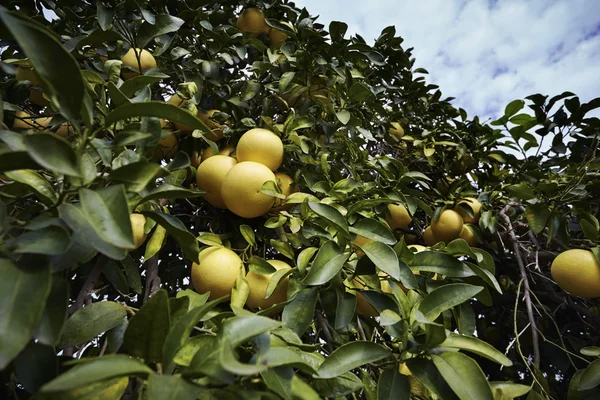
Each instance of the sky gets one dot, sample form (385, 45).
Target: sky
(486, 53)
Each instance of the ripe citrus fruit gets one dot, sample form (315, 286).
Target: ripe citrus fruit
(215, 127)
(286, 183)
(216, 272)
(261, 146)
(166, 148)
(146, 62)
(277, 38)
(208, 152)
(448, 226)
(467, 235)
(252, 20)
(210, 176)
(578, 272)
(428, 237)
(404, 370)
(241, 189)
(258, 287)
(35, 94)
(475, 206)
(187, 106)
(396, 130)
(398, 216)
(137, 226)
(360, 241)
(195, 159)
(24, 121)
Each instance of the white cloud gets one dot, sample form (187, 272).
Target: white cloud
(487, 53)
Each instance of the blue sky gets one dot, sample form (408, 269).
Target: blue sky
(486, 53)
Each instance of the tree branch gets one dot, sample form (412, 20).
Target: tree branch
(152, 279)
(526, 295)
(88, 286)
(323, 326)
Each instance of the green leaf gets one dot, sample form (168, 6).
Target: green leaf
(440, 263)
(17, 160)
(148, 328)
(508, 390)
(99, 368)
(177, 229)
(283, 247)
(35, 366)
(537, 216)
(375, 230)
(446, 297)
(60, 78)
(279, 380)
(248, 234)
(107, 211)
(393, 386)
(302, 390)
(464, 376)
(343, 116)
(172, 387)
(479, 347)
(384, 258)
(166, 191)
(238, 330)
(258, 265)
(163, 24)
(104, 15)
(425, 371)
(23, 294)
(159, 110)
(155, 243)
(328, 262)
(286, 356)
(107, 389)
(350, 356)
(53, 318)
(37, 182)
(331, 215)
(299, 313)
(52, 240)
(181, 330)
(90, 321)
(137, 175)
(82, 229)
(513, 107)
(131, 86)
(592, 351)
(339, 386)
(114, 337)
(590, 377)
(359, 92)
(522, 191)
(52, 152)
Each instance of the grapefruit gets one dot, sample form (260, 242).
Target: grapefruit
(216, 271)
(258, 287)
(130, 59)
(398, 216)
(137, 226)
(252, 20)
(448, 226)
(241, 189)
(578, 272)
(475, 206)
(210, 176)
(261, 146)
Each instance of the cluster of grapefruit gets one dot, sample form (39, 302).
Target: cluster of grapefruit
(454, 224)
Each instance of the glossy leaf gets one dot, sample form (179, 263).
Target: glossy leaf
(37, 182)
(477, 346)
(392, 386)
(90, 321)
(53, 153)
(446, 297)
(374, 230)
(463, 375)
(298, 315)
(23, 294)
(177, 229)
(349, 356)
(172, 387)
(50, 325)
(328, 262)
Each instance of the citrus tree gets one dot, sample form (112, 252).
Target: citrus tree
(224, 200)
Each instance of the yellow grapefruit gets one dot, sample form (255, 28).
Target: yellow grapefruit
(467, 235)
(578, 272)
(448, 226)
(215, 127)
(210, 176)
(428, 237)
(398, 216)
(35, 94)
(208, 152)
(166, 148)
(216, 271)
(130, 59)
(187, 106)
(475, 206)
(261, 146)
(277, 38)
(241, 189)
(258, 287)
(252, 20)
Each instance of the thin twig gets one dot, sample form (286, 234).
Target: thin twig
(323, 326)
(526, 289)
(360, 329)
(88, 286)
(152, 279)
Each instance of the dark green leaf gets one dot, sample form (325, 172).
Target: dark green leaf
(384, 258)
(446, 297)
(35, 366)
(148, 328)
(37, 182)
(163, 23)
(53, 153)
(137, 175)
(426, 373)
(52, 240)
(349, 356)
(342, 385)
(279, 380)
(393, 386)
(375, 230)
(590, 377)
(60, 78)
(440, 263)
(328, 262)
(166, 191)
(23, 294)
(50, 325)
(172, 387)
(131, 86)
(537, 216)
(99, 368)
(90, 321)
(331, 215)
(299, 314)
(463, 375)
(513, 107)
(479, 347)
